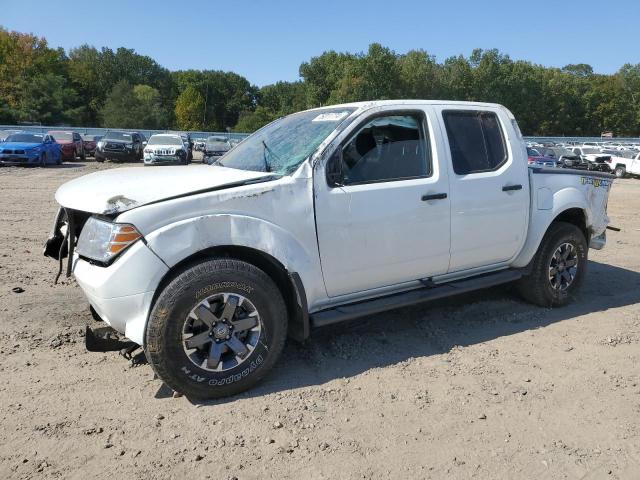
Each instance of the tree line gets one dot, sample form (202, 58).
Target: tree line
(123, 89)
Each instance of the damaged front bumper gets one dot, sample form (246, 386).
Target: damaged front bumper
(121, 293)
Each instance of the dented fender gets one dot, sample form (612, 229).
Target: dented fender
(181, 240)
(555, 193)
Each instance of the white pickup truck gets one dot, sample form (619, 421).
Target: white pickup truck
(625, 166)
(320, 217)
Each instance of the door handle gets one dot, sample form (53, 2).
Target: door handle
(509, 188)
(434, 196)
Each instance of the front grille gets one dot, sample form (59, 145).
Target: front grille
(164, 151)
(114, 147)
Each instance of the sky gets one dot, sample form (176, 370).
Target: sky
(266, 41)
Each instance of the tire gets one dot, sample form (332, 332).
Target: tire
(217, 280)
(83, 156)
(43, 160)
(538, 287)
(620, 171)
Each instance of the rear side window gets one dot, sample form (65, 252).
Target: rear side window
(476, 141)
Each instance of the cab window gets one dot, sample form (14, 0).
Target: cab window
(386, 148)
(476, 141)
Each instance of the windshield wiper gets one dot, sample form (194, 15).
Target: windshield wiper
(267, 164)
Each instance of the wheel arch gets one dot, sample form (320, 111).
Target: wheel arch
(576, 216)
(289, 283)
(572, 213)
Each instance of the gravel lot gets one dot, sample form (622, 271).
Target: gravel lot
(480, 386)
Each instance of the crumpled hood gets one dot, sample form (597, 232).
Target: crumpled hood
(121, 189)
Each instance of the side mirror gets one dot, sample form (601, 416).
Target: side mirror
(334, 169)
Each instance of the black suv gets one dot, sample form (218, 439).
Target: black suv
(120, 146)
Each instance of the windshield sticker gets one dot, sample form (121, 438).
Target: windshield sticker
(330, 117)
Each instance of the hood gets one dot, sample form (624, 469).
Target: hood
(18, 145)
(64, 142)
(121, 189)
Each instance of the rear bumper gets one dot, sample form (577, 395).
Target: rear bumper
(598, 242)
(122, 293)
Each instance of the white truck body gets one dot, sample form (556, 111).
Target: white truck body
(623, 166)
(346, 243)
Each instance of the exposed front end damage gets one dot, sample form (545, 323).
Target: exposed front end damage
(63, 238)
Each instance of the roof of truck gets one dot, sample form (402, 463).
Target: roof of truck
(384, 103)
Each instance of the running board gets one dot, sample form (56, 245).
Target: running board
(412, 297)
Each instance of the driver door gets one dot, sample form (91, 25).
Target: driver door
(388, 219)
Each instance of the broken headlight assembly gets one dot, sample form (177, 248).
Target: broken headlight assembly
(102, 241)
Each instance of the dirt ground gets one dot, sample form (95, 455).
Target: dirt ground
(479, 386)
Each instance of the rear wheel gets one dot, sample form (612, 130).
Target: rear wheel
(558, 268)
(620, 171)
(216, 329)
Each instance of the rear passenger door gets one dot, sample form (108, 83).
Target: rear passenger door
(489, 187)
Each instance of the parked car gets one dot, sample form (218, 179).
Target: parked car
(320, 217)
(5, 133)
(33, 149)
(564, 157)
(536, 158)
(214, 149)
(71, 144)
(595, 159)
(166, 148)
(120, 147)
(91, 143)
(622, 165)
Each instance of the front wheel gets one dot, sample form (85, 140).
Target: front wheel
(558, 268)
(216, 329)
(620, 171)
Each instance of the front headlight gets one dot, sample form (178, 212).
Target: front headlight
(103, 241)
(100, 144)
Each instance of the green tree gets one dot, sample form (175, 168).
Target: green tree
(134, 107)
(190, 109)
(48, 99)
(94, 73)
(251, 121)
